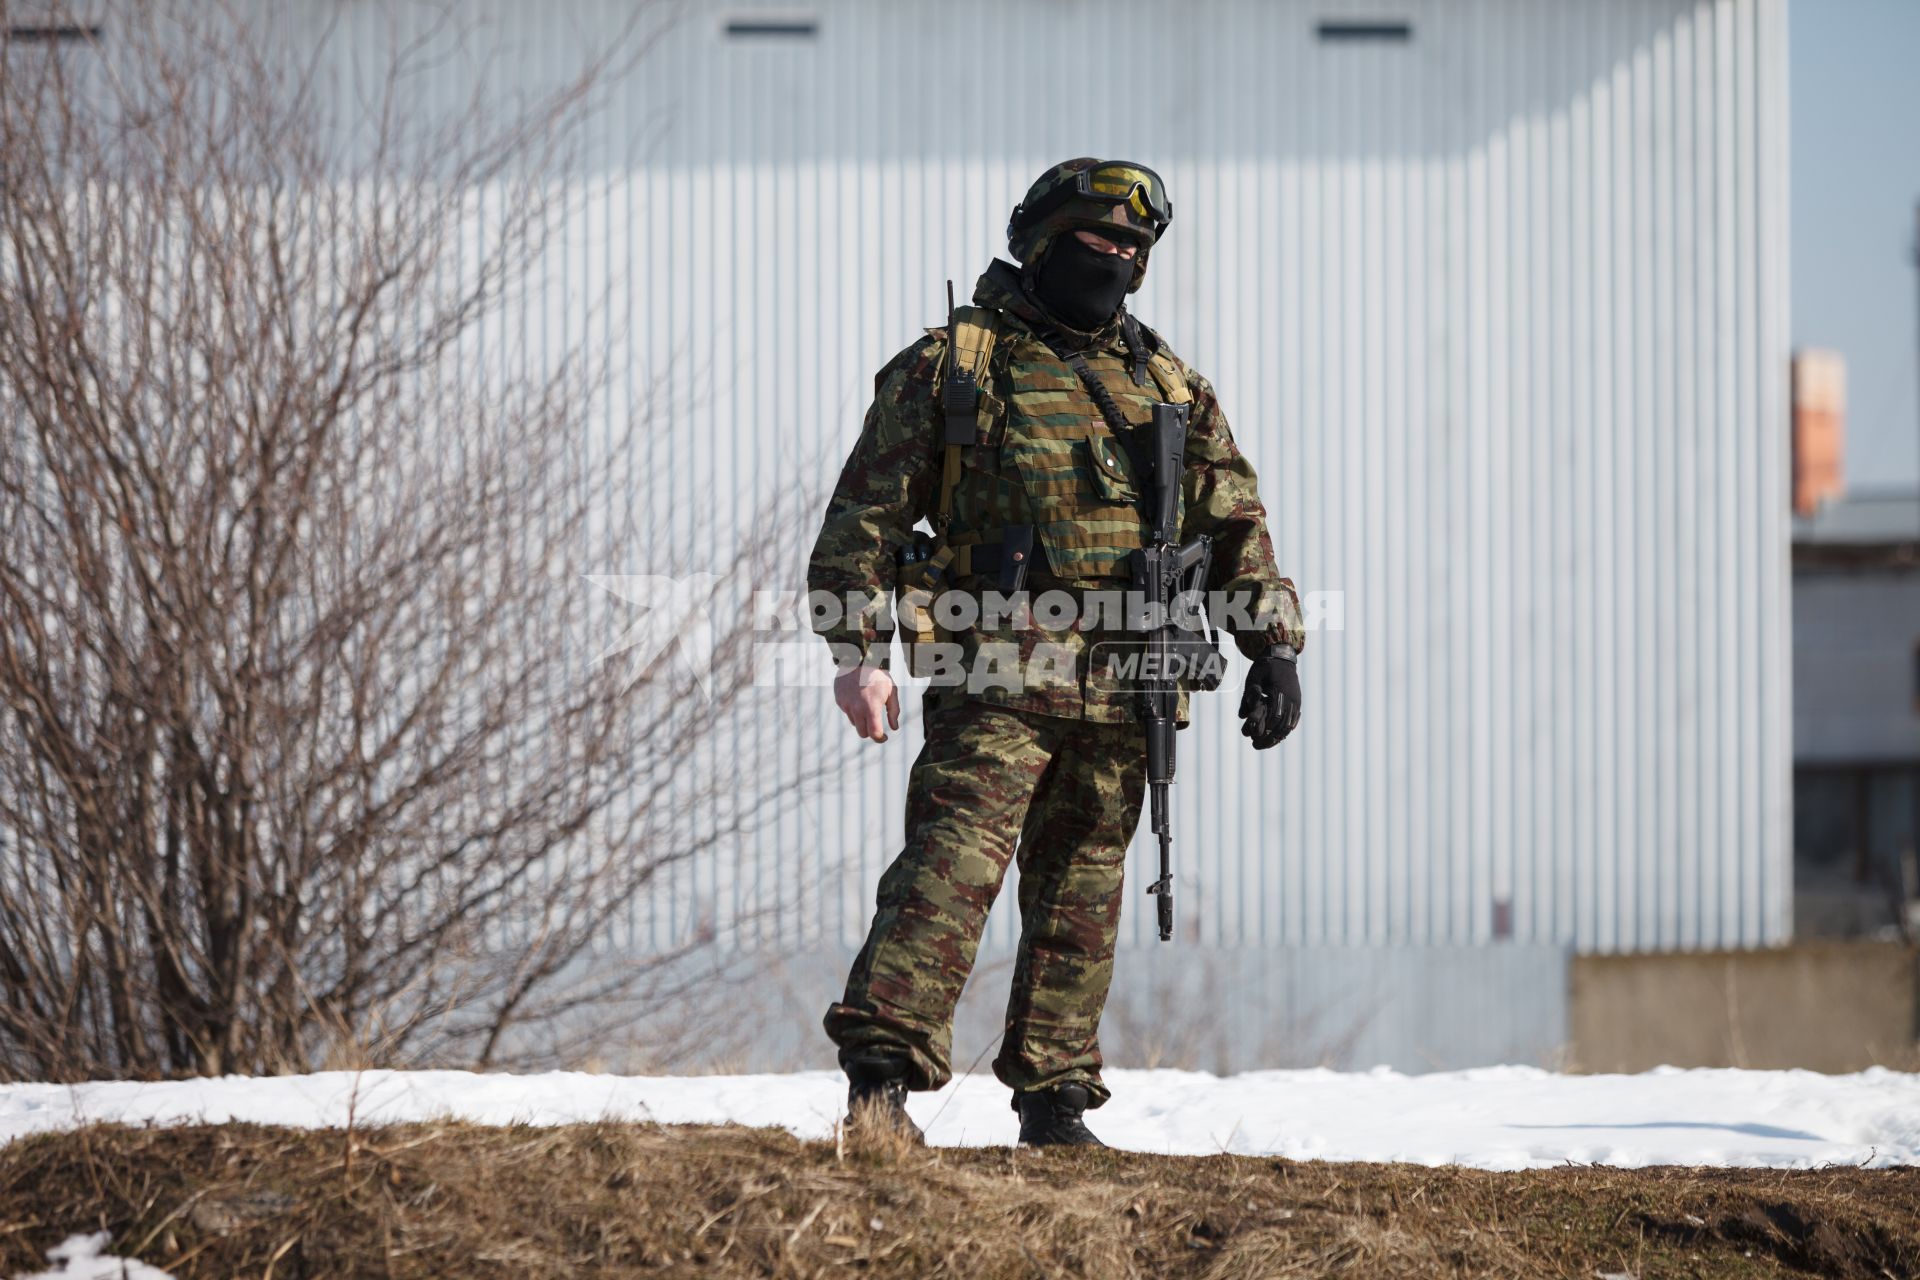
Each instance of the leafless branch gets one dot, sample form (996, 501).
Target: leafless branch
(301, 739)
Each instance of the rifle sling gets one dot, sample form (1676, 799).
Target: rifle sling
(1117, 423)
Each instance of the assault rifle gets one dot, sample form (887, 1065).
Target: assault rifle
(1169, 582)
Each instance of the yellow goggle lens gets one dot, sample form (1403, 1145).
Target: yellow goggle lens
(1119, 181)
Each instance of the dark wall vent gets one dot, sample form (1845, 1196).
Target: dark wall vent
(51, 34)
(1350, 31)
(776, 28)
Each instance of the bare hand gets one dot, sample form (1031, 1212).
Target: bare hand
(868, 698)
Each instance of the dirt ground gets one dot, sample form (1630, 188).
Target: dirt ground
(461, 1200)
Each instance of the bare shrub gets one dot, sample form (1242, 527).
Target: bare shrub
(304, 755)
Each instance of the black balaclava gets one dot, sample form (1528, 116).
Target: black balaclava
(1080, 284)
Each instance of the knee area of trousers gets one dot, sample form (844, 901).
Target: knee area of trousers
(970, 863)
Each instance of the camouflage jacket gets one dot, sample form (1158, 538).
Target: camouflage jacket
(890, 483)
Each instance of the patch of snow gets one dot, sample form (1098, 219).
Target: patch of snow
(1488, 1118)
(80, 1259)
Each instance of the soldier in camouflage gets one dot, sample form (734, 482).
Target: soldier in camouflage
(1028, 733)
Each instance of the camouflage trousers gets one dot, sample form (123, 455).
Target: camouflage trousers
(1072, 790)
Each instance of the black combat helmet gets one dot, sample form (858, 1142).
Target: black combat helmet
(1120, 200)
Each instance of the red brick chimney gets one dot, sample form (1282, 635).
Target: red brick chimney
(1819, 429)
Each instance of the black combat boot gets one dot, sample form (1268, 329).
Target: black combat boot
(1052, 1117)
(877, 1099)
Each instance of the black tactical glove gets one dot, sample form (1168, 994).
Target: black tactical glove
(1271, 705)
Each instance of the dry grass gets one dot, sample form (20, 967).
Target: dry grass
(462, 1200)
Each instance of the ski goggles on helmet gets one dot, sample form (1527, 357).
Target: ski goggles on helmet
(1115, 183)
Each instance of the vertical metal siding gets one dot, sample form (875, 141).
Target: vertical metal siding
(1499, 313)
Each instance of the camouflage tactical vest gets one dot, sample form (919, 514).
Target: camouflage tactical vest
(1044, 455)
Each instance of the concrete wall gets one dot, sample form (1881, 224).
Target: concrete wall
(1814, 1006)
(1818, 1006)
(1218, 1009)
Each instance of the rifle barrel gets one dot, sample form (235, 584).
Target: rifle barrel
(1164, 904)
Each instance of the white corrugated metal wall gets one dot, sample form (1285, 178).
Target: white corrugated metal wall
(1498, 310)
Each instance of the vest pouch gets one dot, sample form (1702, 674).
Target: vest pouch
(1111, 483)
(919, 575)
(993, 431)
